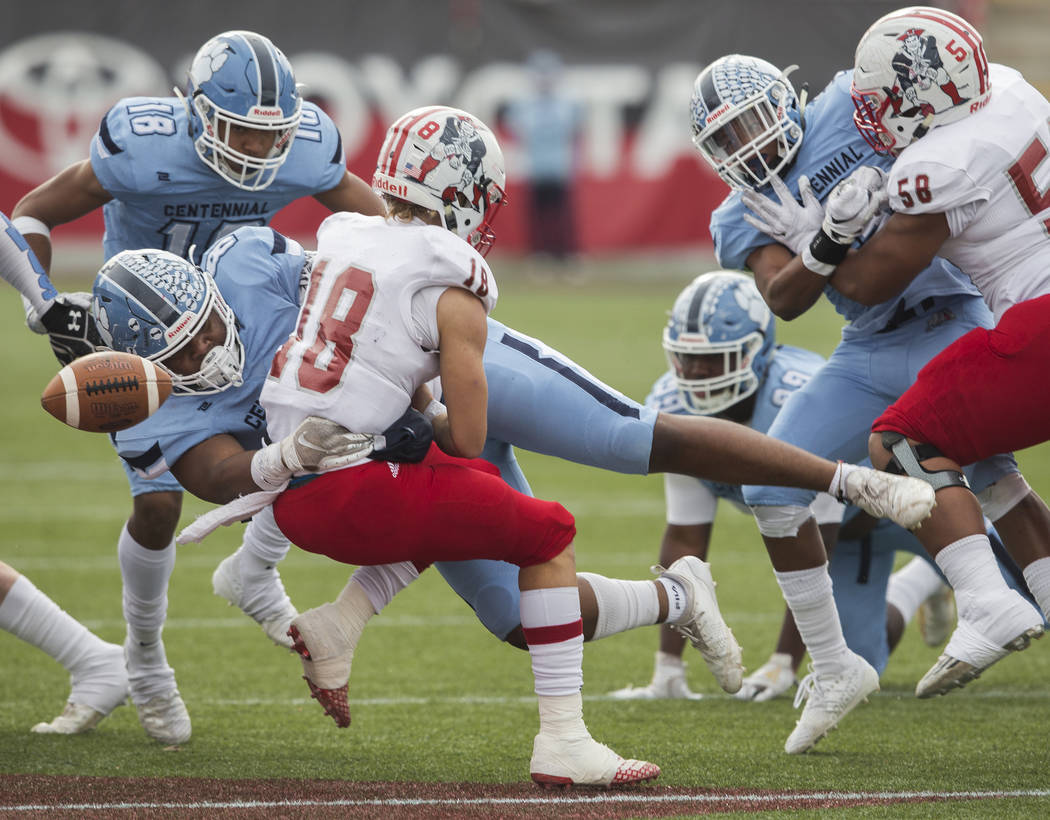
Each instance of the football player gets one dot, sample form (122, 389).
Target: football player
(615, 433)
(963, 182)
(96, 668)
(761, 137)
(180, 173)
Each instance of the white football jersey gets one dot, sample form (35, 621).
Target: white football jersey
(990, 175)
(367, 336)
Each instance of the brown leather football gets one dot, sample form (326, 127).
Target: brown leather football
(106, 392)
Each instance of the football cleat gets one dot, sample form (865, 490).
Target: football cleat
(771, 680)
(325, 642)
(668, 683)
(96, 692)
(266, 603)
(904, 500)
(937, 616)
(165, 718)
(703, 626)
(986, 633)
(828, 699)
(582, 761)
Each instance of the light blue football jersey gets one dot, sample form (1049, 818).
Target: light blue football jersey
(164, 196)
(789, 369)
(832, 149)
(258, 273)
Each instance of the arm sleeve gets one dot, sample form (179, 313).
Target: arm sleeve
(20, 268)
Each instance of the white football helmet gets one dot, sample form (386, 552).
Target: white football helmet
(916, 69)
(747, 119)
(241, 79)
(448, 161)
(722, 314)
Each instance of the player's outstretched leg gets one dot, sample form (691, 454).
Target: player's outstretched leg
(325, 638)
(704, 626)
(828, 699)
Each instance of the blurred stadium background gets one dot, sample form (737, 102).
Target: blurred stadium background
(639, 185)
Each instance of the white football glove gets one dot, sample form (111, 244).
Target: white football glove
(788, 222)
(853, 203)
(850, 208)
(317, 445)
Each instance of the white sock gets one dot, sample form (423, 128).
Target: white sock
(912, 584)
(622, 605)
(264, 545)
(678, 603)
(1037, 576)
(550, 619)
(808, 595)
(28, 613)
(145, 573)
(382, 583)
(970, 567)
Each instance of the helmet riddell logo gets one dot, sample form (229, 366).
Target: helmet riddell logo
(176, 329)
(385, 184)
(718, 112)
(257, 111)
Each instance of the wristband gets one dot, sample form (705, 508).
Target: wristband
(434, 409)
(30, 224)
(823, 254)
(268, 469)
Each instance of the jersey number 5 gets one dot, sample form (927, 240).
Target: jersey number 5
(1020, 174)
(327, 345)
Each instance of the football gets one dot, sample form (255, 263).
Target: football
(106, 392)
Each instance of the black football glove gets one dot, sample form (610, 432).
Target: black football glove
(407, 439)
(69, 326)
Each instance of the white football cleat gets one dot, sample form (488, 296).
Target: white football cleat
(772, 679)
(904, 500)
(165, 718)
(99, 687)
(668, 683)
(703, 626)
(266, 603)
(988, 630)
(583, 761)
(936, 616)
(829, 699)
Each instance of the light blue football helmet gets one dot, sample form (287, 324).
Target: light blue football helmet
(152, 303)
(719, 313)
(241, 79)
(747, 119)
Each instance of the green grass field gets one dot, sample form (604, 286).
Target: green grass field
(434, 697)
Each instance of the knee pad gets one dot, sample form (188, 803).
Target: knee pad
(906, 457)
(780, 522)
(999, 498)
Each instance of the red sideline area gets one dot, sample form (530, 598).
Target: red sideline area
(55, 796)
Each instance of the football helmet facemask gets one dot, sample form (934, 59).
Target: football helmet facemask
(722, 314)
(448, 161)
(237, 80)
(747, 119)
(152, 303)
(916, 69)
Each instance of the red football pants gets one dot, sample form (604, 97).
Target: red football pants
(986, 393)
(441, 509)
